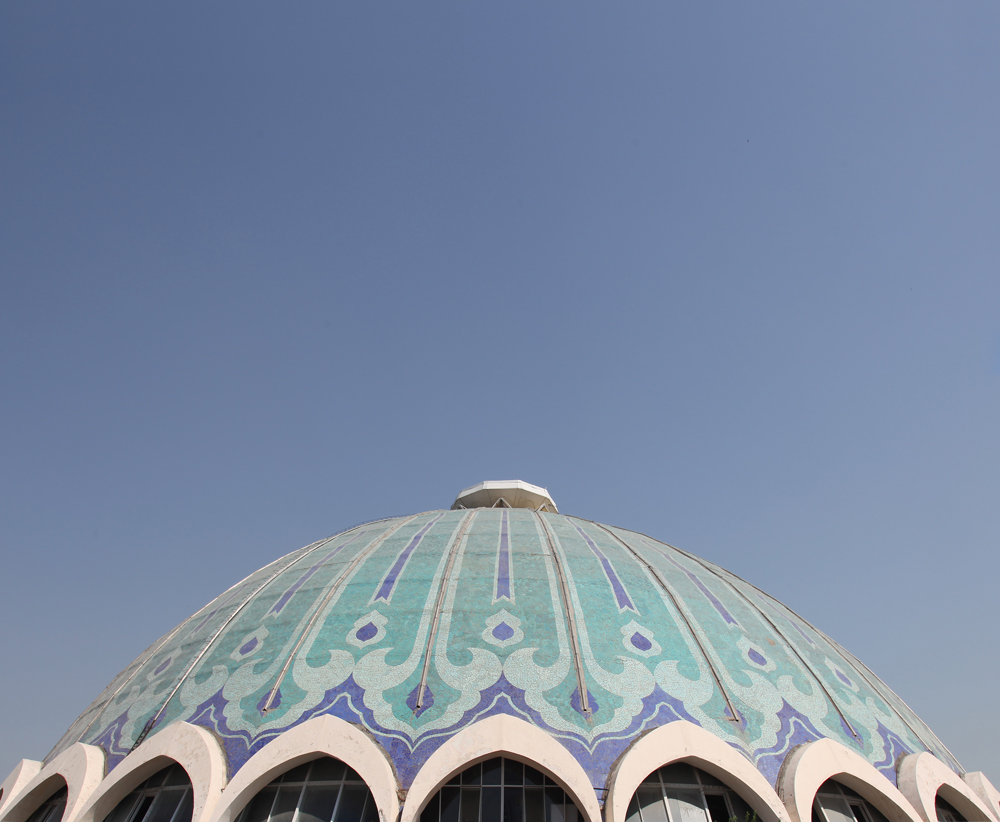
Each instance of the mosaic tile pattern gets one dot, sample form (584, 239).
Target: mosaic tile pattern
(344, 626)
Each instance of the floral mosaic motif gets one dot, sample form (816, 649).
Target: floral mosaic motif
(367, 630)
(645, 658)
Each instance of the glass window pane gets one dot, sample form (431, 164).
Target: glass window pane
(491, 804)
(327, 770)
(58, 804)
(470, 805)
(472, 774)
(685, 805)
(742, 812)
(513, 772)
(572, 815)
(718, 810)
(164, 805)
(430, 813)
(450, 798)
(318, 803)
(678, 773)
(878, 816)
(123, 809)
(186, 809)
(513, 803)
(652, 779)
(533, 776)
(140, 813)
(555, 800)
(351, 775)
(297, 774)
(491, 771)
(534, 805)
(651, 805)
(633, 810)
(284, 805)
(707, 779)
(370, 813)
(352, 803)
(260, 806)
(157, 778)
(177, 776)
(834, 808)
(455, 780)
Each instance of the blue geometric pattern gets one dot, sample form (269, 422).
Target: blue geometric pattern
(344, 626)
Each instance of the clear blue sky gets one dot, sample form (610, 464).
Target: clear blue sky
(723, 273)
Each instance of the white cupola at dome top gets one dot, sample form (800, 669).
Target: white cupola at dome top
(506, 494)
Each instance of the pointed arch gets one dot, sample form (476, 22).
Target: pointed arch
(190, 746)
(501, 735)
(985, 790)
(24, 771)
(80, 768)
(922, 776)
(320, 736)
(684, 741)
(808, 766)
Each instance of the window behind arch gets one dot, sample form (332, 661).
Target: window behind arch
(838, 803)
(501, 790)
(52, 809)
(946, 812)
(324, 790)
(165, 797)
(679, 792)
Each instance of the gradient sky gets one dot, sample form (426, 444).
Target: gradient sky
(723, 273)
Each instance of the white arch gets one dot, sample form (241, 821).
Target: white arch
(24, 771)
(190, 746)
(985, 790)
(80, 767)
(808, 766)
(320, 736)
(501, 735)
(922, 775)
(683, 740)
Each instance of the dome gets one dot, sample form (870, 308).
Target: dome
(414, 629)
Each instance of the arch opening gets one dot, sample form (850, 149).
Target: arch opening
(680, 792)
(166, 796)
(52, 809)
(321, 790)
(946, 812)
(835, 802)
(501, 790)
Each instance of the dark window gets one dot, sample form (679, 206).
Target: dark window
(679, 792)
(945, 811)
(500, 790)
(51, 810)
(164, 797)
(324, 790)
(838, 803)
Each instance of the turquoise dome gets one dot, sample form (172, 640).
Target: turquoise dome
(416, 627)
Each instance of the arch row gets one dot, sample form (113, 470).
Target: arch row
(92, 794)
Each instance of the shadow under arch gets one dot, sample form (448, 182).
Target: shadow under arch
(80, 768)
(808, 766)
(505, 736)
(684, 741)
(192, 747)
(922, 776)
(320, 736)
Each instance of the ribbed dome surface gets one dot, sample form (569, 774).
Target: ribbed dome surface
(416, 627)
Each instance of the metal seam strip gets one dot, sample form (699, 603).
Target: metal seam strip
(733, 715)
(432, 635)
(777, 630)
(571, 621)
(363, 555)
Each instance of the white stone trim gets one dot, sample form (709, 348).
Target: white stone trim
(985, 790)
(24, 771)
(684, 741)
(320, 736)
(501, 736)
(922, 776)
(80, 768)
(808, 766)
(190, 746)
